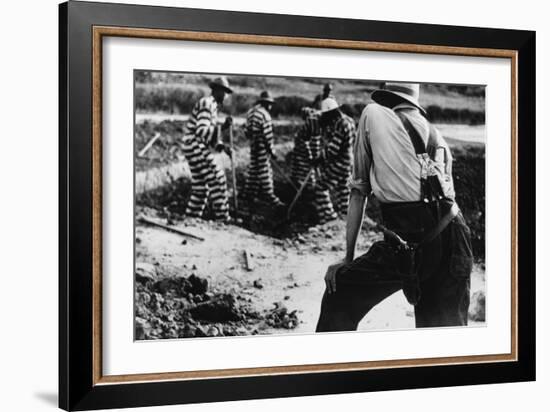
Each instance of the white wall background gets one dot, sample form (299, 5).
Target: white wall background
(28, 203)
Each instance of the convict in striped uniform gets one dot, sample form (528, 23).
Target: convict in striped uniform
(201, 134)
(335, 162)
(259, 130)
(307, 146)
(327, 92)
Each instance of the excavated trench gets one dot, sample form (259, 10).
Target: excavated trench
(166, 189)
(163, 181)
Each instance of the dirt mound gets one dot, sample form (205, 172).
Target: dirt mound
(183, 307)
(170, 202)
(165, 150)
(181, 286)
(477, 306)
(280, 317)
(222, 308)
(469, 180)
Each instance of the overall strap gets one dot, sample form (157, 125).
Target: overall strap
(418, 143)
(441, 225)
(430, 186)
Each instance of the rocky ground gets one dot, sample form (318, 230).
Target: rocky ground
(238, 282)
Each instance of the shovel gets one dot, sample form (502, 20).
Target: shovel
(299, 193)
(282, 173)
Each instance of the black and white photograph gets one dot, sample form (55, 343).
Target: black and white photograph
(268, 205)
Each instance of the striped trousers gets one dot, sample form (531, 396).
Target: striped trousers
(333, 182)
(208, 181)
(259, 179)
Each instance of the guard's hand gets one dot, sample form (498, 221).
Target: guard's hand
(330, 277)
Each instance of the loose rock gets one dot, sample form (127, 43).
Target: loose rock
(145, 272)
(477, 307)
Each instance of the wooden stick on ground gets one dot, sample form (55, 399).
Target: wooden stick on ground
(248, 262)
(148, 145)
(173, 229)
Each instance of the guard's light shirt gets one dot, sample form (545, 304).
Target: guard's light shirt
(384, 158)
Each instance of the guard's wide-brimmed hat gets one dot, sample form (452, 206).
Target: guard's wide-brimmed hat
(329, 104)
(222, 83)
(265, 96)
(409, 92)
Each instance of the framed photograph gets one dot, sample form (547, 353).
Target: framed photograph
(256, 206)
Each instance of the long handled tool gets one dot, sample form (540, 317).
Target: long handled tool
(283, 174)
(173, 229)
(299, 193)
(149, 144)
(233, 171)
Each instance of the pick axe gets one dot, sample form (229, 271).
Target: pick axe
(148, 145)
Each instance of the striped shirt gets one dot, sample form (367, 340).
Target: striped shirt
(339, 142)
(310, 133)
(259, 129)
(311, 121)
(203, 119)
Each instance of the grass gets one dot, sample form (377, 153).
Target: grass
(176, 93)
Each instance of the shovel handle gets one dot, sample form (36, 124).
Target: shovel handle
(302, 187)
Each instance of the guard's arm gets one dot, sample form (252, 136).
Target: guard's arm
(360, 188)
(356, 211)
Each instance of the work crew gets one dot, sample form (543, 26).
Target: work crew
(307, 146)
(403, 161)
(338, 131)
(259, 130)
(201, 135)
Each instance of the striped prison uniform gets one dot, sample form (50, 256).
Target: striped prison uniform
(259, 180)
(208, 178)
(307, 146)
(336, 171)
